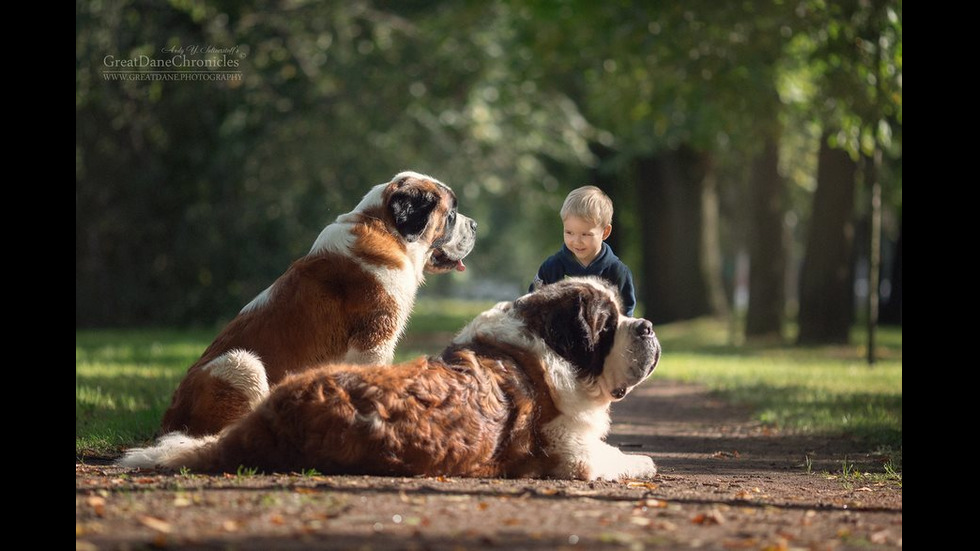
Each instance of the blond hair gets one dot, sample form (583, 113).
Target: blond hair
(589, 203)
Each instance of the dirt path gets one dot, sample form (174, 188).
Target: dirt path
(724, 483)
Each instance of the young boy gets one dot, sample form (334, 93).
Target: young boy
(587, 219)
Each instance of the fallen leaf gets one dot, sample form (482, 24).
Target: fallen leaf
(97, 504)
(653, 503)
(711, 517)
(229, 526)
(277, 519)
(156, 524)
(547, 491)
(304, 490)
(864, 489)
(640, 521)
(639, 484)
(725, 455)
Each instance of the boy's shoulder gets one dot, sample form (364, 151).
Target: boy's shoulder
(619, 270)
(621, 266)
(553, 260)
(611, 259)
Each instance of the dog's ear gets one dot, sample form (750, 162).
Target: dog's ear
(410, 209)
(576, 322)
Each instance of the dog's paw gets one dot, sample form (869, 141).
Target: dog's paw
(639, 466)
(618, 465)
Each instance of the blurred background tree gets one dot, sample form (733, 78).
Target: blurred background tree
(734, 139)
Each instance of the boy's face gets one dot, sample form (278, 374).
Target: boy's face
(584, 238)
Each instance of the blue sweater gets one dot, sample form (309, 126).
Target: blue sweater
(607, 265)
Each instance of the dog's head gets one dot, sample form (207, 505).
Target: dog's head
(580, 320)
(423, 210)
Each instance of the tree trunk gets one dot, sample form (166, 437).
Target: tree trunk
(669, 209)
(766, 255)
(827, 279)
(891, 311)
(712, 265)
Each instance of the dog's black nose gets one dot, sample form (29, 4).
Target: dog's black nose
(644, 329)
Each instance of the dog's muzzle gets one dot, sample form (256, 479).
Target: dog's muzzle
(448, 256)
(644, 353)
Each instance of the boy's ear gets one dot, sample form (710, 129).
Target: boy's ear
(607, 231)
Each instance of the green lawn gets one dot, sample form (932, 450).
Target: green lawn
(124, 379)
(827, 389)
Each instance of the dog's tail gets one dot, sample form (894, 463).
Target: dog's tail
(244, 371)
(172, 450)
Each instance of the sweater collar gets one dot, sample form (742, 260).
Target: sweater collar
(602, 258)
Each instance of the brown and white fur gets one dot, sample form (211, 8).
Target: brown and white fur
(347, 300)
(524, 390)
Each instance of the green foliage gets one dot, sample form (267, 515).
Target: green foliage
(193, 196)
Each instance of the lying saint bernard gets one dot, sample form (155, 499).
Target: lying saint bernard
(347, 300)
(524, 390)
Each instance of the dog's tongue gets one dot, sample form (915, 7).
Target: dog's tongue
(460, 267)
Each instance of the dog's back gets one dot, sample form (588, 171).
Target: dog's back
(469, 418)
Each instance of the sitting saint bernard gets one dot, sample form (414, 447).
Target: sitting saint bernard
(524, 390)
(347, 300)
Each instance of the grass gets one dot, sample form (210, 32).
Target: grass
(123, 383)
(850, 475)
(826, 389)
(124, 379)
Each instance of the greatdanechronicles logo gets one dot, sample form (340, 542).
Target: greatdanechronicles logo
(192, 62)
